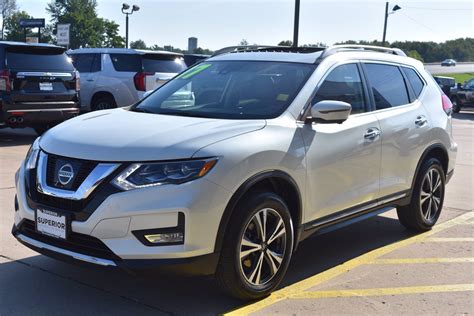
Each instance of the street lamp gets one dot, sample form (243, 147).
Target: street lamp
(394, 9)
(125, 7)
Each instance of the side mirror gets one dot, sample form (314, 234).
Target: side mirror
(328, 112)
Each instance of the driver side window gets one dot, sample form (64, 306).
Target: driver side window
(343, 84)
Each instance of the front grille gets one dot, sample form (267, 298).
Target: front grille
(79, 243)
(82, 168)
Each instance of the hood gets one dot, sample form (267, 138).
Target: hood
(121, 135)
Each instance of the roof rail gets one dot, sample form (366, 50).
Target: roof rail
(352, 47)
(264, 48)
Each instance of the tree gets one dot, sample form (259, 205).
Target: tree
(243, 42)
(415, 54)
(285, 43)
(138, 44)
(13, 31)
(7, 9)
(87, 29)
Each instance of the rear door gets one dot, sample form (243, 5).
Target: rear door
(404, 123)
(160, 68)
(40, 74)
(89, 67)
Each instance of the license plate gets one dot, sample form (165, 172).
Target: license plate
(46, 86)
(51, 223)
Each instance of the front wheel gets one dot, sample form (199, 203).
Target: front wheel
(427, 198)
(257, 248)
(456, 107)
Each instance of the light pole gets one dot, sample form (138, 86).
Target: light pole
(297, 23)
(395, 8)
(125, 7)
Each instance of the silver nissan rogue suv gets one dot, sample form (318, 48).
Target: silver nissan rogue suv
(224, 169)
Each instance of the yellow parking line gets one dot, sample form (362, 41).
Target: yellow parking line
(305, 284)
(386, 291)
(421, 260)
(449, 239)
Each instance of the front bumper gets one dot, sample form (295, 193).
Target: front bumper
(113, 222)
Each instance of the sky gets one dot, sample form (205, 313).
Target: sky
(220, 23)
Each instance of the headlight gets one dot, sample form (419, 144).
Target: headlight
(32, 155)
(141, 175)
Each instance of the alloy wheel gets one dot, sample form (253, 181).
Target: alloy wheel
(431, 194)
(262, 247)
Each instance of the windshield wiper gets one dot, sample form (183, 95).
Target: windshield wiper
(141, 110)
(185, 113)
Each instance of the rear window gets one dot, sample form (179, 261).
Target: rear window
(86, 62)
(388, 85)
(38, 59)
(148, 63)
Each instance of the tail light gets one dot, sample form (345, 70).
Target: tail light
(140, 80)
(447, 105)
(5, 80)
(78, 80)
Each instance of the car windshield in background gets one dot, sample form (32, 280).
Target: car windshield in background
(148, 63)
(38, 59)
(230, 90)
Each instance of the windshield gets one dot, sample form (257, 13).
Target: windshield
(230, 90)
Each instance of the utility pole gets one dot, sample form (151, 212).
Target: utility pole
(126, 31)
(125, 7)
(385, 24)
(297, 23)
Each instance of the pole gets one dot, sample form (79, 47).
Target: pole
(297, 23)
(385, 24)
(39, 34)
(126, 31)
(24, 32)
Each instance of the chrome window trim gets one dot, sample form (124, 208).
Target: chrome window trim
(75, 255)
(97, 175)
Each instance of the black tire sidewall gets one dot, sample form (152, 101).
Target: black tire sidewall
(421, 221)
(247, 211)
(109, 100)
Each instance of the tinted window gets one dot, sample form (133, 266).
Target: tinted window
(343, 84)
(388, 85)
(126, 62)
(163, 63)
(41, 59)
(415, 80)
(230, 90)
(86, 62)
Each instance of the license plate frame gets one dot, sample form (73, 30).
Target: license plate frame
(46, 86)
(60, 229)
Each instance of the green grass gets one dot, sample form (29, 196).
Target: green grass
(459, 77)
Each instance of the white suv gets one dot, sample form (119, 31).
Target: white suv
(117, 77)
(272, 146)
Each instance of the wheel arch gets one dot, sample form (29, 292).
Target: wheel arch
(437, 151)
(275, 181)
(100, 94)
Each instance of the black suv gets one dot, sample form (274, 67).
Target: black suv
(38, 86)
(463, 96)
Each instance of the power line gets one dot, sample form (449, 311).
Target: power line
(438, 9)
(419, 23)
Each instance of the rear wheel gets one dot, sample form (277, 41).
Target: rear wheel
(103, 102)
(427, 198)
(257, 247)
(456, 107)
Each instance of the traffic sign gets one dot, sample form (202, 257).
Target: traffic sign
(62, 36)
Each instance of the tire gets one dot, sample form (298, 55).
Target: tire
(427, 198)
(104, 102)
(239, 265)
(456, 107)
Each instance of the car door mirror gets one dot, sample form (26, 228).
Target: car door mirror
(329, 111)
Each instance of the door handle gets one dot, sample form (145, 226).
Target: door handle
(372, 133)
(421, 120)
(90, 80)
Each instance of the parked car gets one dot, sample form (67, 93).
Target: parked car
(38, 86)
(276, 145)
(191, 59)
(463, 96)
(445, 83)
(117, 77)
(448, 62)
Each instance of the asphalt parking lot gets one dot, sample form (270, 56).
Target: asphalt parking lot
(373, 267)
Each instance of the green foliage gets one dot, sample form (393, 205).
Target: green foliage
(460, 78)
(87, 29)
(138, 44)
(13, 31)
(415, 54)
(461, 49)
(285, 43)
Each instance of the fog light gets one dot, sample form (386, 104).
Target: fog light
(165, 238)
